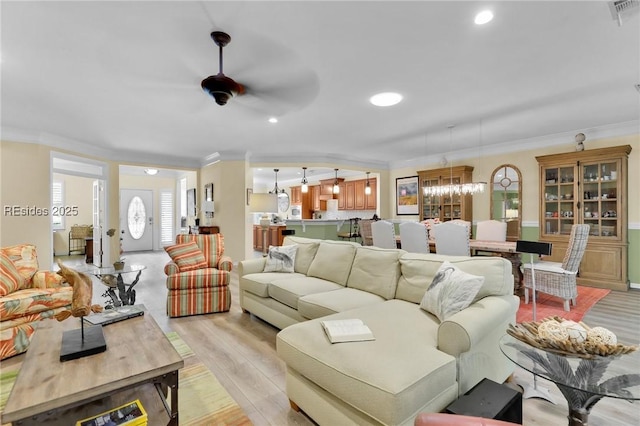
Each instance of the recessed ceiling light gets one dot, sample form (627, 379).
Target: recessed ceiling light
(385, 99)
(483, 17)
(273, 120)
(151, 172)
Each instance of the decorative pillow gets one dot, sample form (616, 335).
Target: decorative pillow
(187, 256)
(451, 291)
(281, 259)
(10, 278)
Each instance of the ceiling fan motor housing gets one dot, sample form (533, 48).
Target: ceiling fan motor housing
(221, 87)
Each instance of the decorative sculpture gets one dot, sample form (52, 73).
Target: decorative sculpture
(82, 293)
(80, 342)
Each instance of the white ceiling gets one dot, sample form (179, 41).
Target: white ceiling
(122, 79)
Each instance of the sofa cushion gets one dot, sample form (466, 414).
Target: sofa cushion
(376, 271)
(187, 256)
(258, 283)
(333, 261)
(281, 258)
(330, 302)
(31, 301)
(287, 291)
(10, 278)
(389, 378)
(418, 271)
(451, 291)
(25, 259)
(307, 249)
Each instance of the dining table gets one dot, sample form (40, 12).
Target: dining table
(506, 249)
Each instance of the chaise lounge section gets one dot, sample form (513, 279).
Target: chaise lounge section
(417, 362)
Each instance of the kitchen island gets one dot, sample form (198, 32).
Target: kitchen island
(325, 229)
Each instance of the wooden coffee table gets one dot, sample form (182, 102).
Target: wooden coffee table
(139, 363)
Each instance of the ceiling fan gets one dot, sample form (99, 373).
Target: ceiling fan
(221, 87)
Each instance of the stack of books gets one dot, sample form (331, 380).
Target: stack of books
(129, 414)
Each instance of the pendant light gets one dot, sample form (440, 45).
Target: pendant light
(276, 190)
(367, 188)
(305, 185)
(451, 188)
(336, 187)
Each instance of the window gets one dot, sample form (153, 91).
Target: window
(166, 218)
(57, 200)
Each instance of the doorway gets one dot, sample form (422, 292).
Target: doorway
(136, 219)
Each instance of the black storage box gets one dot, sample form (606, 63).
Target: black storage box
(490, 400)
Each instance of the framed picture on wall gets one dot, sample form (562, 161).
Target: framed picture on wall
(407, 195)
(191, 202)
(208, 192)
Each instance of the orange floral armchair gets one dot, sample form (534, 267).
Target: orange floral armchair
(27, 296)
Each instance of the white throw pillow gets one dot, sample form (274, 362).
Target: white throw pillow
(281, 259)
(451, 291)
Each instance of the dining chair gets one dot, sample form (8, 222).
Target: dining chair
(430, 223)
(383, 234)
(365, 232)
(413, 237)
(559, 278)
(452, 239)
(491, 230)
(461, 222)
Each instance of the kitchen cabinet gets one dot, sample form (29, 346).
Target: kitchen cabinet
(296, 195)
(449, 206)
(588, 187)
(274, 236)
(371, 200)
(352, 196)
(316, 203)
(359, 195)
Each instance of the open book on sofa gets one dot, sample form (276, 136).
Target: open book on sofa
(347, 330)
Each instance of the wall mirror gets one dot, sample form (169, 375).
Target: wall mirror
(506, 199)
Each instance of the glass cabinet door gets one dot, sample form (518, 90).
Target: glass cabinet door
(559, 200)
(430, 204)
(451, 203)
(600, 196)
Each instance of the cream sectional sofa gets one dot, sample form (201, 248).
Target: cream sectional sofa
(416, 363)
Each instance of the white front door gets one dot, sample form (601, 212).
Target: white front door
(136, 219)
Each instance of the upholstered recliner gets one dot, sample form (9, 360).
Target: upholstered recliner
(27, 296)
(198, 275)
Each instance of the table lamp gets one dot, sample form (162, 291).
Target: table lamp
(534, 247)
(265, 204)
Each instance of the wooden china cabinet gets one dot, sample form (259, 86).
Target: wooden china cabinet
(588, 187)
(445, 207)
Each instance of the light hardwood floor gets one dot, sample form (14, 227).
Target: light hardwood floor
(240, 350)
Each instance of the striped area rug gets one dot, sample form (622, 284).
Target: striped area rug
(547, 306)
(203, 400)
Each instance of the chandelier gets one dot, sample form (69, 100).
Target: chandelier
(455, 188)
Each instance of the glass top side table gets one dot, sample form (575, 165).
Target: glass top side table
(112, 278)
(583, 382)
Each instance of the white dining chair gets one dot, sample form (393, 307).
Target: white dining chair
(491, 230)
(452, 239)
(413, 237)
(383, 234)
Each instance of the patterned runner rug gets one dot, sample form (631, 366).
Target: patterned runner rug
(203, 400)
(547, 305)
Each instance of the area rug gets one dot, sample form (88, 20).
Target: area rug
(547, 305)
(203, 400)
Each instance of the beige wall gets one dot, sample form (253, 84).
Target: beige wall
(25, 171)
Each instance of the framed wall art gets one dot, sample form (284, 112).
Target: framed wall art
(407, 195)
